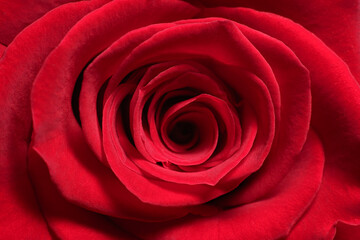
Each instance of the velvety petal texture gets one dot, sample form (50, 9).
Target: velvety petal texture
(173, 119)
(18, 14)
(19, 66)
(335, 22)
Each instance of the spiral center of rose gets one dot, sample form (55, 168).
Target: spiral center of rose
(183, 132)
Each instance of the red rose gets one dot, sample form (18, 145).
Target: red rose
(180, 120)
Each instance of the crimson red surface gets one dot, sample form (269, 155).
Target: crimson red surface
(170, 119)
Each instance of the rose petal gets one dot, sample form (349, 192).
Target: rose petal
(170, 83)
(18, 68)
(164, 83)
(2, 49)
(268, 218)
(346, 231)
(68, 221)
(338, 26)
(209, 133)
(16, 15)
(335, 117)
(293, 123)
(104, 193)
(95, 76)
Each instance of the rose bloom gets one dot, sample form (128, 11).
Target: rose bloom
(170, 119)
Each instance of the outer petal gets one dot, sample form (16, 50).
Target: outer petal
(17, 14)
(18, 68)
(68, 221)
(336, 22)
(335, 117)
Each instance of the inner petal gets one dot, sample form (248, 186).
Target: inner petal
(183, 133)
(190, 117)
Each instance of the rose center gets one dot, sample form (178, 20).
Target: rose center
(182, 132)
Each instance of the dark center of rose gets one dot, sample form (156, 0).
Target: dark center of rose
(182, 132)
